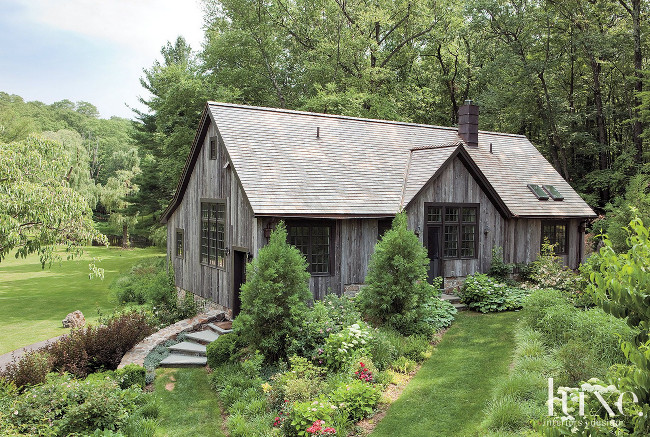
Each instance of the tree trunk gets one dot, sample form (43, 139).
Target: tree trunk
(637, 129)
(125, 236)
(600, 124)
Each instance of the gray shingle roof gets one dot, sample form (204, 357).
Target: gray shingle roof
(357, 167)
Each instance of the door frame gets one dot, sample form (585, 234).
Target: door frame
(425, 240)
(233, 291)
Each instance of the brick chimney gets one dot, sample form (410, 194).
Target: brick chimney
(468, 123)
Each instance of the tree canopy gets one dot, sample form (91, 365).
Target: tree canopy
(38, 207)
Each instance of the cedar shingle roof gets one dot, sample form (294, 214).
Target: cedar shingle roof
(363, 167)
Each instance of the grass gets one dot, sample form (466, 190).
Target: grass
(449, 394)
(190, 408)
(33, 301)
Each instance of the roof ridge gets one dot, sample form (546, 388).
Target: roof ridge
(434, 146)
(335, 116)
(347, 117)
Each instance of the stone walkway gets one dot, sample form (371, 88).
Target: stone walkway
(8, 358)
(142, 349)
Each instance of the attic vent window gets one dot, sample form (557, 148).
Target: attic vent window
(555, 194)
(538, 191)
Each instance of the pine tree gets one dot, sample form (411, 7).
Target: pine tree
(274, 298)
(396, 284)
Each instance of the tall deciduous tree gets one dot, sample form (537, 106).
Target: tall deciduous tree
(38, 208)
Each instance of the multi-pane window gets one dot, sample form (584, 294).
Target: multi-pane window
(213, 148)
(314, 242)
(180, 250)
(460, 229)
(555, 233)
(213, 233)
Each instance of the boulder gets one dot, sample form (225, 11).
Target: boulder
(74, 320)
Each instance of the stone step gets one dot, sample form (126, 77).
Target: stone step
(451, 298)
(178, 360)
(460, 306)
(188, 348)
(203, 337)
(219, 330)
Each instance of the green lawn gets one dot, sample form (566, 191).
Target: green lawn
(448, 395)
(33, 301)
(190, 408)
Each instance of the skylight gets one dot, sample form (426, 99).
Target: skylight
(538, 191)
(555, 194)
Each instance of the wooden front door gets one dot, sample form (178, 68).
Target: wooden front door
(434, 237)
(239, 277)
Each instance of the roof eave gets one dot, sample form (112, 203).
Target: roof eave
(206, 119)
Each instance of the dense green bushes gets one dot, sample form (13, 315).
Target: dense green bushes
(396, 285)
(484, 294)
(223, 349)
(148, 284)
(554, 340)
(65, 406)
(274, 297)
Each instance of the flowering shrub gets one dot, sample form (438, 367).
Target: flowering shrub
(341, 346)
(364, 374)
(356, 399)
(318, 429)
(484, 294)
(547, 271)
(304, 414)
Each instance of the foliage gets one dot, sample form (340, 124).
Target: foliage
(38, 208)
(273, 299)
(551, 314)
(326, 316)
(83, 351)
(223, 349)
(97, 348)
(396, 285)
(304, 414)
(340, 347)
(438, 314)
(130, 375)
(403, 365)
(357, 399)
(499, 270)
(484, 294)
(381, 348)
(547, 271)
(634, 203)
(63, 406)
(620, 289)
(150, 283)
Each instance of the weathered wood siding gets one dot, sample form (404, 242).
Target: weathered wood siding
(523, 241)
(455, 184)
(354, 243)
(210, 179)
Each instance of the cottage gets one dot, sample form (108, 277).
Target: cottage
(337, 182)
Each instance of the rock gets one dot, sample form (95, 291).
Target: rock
(74, 320)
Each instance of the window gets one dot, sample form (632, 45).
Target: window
(553, 192)
(213, 148)
(459, 229)
(213, 233)
(180, 250)
(556, 233)
(382, 226)
(315, 242)
(538, 191)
